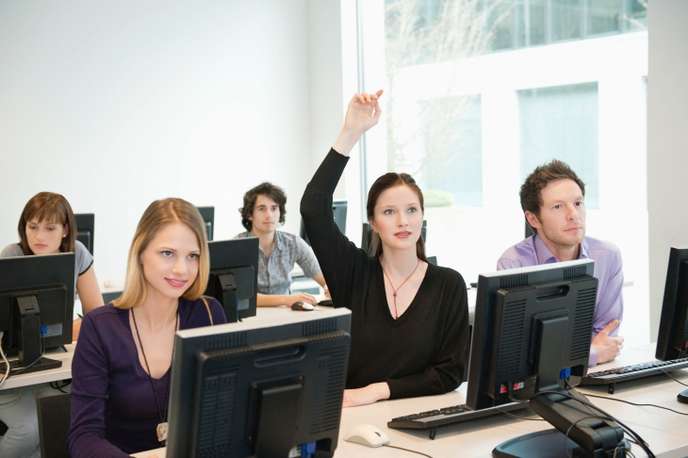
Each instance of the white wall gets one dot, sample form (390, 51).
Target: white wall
(115, 104)
(667, 143)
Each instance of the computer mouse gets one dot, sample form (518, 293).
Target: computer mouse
(369, 435)
(302, 306)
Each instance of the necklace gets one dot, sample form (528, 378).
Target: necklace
(394, 290)
(161, 428)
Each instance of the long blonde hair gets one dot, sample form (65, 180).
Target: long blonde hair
(158, 215)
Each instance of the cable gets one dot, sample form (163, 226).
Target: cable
(637, 404)
(7, 363)
(408, 450)
(673, 378)
(590, 417)
(641, 441)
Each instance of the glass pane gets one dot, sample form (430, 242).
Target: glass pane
(451, 172)
(605, 16)
(567, 19)
(561, 123)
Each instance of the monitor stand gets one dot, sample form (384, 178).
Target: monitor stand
(580, 430)
(543, 444)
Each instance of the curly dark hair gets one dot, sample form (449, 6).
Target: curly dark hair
(531, 197)
(266, 189)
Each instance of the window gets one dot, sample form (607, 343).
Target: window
(561, 123)
(478, 93)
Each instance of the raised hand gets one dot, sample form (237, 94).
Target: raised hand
(362, 114)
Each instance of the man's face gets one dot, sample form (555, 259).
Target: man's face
(562, 214)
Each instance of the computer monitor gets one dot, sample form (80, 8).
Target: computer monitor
(208, 215)
(85, 229)
(234, 276)
(532, 332)
(36, 306)
(367, 235)
(339, 209)
(259, 388)
(672, 339)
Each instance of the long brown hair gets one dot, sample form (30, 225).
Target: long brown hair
(51, 207)
(158, 215)
(386, 181)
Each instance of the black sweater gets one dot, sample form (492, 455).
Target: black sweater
(422, 352)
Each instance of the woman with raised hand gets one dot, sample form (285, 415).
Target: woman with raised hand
(122, 364)
(409, 328)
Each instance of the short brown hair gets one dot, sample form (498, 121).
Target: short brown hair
(53, 208)
(266, 189)
(158, 215)
(386, 181)
(531, 190)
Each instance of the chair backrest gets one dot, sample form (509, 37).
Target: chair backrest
(53, 425)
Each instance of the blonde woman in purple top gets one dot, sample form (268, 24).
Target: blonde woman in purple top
(553, 199)
(122, 362)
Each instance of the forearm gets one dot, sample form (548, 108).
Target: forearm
(345, 141)
(89, 291)
(320, 279)
(271, 300)
(367, 395)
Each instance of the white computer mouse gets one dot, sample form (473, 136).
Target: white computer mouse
(369, 435)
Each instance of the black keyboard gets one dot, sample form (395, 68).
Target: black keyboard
(432, 419)
(41, 365)
(632, 372)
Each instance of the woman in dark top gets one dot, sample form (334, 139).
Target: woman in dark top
(409, 318)
(122, 362)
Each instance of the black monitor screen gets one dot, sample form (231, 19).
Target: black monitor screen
(339, 209)
(234, 276)
(208, 215)
(259, 388)
(85, 229)
(36, 302)
(516, 311)
(672, 340)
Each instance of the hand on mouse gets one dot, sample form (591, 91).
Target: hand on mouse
(366, 395)
(303, 297)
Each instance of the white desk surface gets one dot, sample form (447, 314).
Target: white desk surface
(664, 431)
(52, 375)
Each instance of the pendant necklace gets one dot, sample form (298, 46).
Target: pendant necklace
(394, 290)
(161, 428)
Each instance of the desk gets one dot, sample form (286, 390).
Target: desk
(664, 431)
(52, 375)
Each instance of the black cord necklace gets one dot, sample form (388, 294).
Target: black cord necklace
(161, 428)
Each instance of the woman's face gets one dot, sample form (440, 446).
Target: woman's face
(170, 261)
(398, 218)
(266, 215)
(45, 237)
